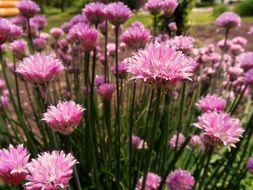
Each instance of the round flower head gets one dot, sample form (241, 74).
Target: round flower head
(39, 44)
(153, 6)
(182, 43)
(152, 182)
(13, 164)
(228, 20)
(122, 69)
(95, 12)
(39, 68)
(28, 8)
(250, 32)
(161, 65)
(172, 26)
(4, 100)
(56, 32)
(240, 41)
(236, 49)
(220, 128)
(99, 79)
(15, 32)
(138, 143)
(135, 37)
(106, 90)
(196, 141)
(211, 103)
(5, 30)
(50, 171)
(245, 60)
(65, 117)
(180, 180)
(18, 47)
(117, 13)
(111, 48)
(250, 165)
(40, 21)
(176, 141)
(248, 77)
(169, 6)
(18, 20)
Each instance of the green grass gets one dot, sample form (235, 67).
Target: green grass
(145, 18)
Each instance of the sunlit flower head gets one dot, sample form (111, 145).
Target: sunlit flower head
(95, 12)
(19, 47)
(228, 20)
(28, 8)
(153, 6)
(211, 103)
(172, 26)
(169, 6)
(65, 117)
(51, 171)
(152, 182)
(13, 164)
(182, 43)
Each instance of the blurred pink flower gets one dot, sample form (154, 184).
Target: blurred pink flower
(106, 90)
(248, 77)
(220, 128)
(56, 32)
(180, 180)
(161, 65)
(138, 143)
(28, 8)
(39, 44)
(172, 26)
(122, 69)
(152, 182)
(250, 32)
(95, 12)
(169, 6)
(176, 141)
(250, 165)
(40, 21)
(65, 117)
(50, 171)
(19, 47)
(240, 41)
(18, 20)
(111, 48)
(245, 60)
(228, 20)
(5, 30)
(211, 103)
(13, 164)
(182, 43)
(39, 68)
(153, 6)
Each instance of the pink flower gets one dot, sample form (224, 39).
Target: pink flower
(153, 6)
(152, 182)
(211, 103)
(221, 44)
(4, 100)
(111, 48)
(65, 117)
(220, 128)
(196, 142)
(240, 41)
(50, 171)
(245, 60)
(106, 90)
(118, 13)
(18, 47)
(99, 79)
(248, 77)
(103, 27)
(13, 164)
(160, 64)
(122, 69)
(236, 49)
(39, 44)
(250, 32)
(180, 180)
(56, 32)
(28, 8)
(138, 143)
(182, 43)
(95, 12)
(18, 20)
(135, 37)
(39, 68)
(15, 32)
(169, 6)
(176, 141)
(40, 21)
(5, 30)
(172, 26)
(228, 20)
(250, 165)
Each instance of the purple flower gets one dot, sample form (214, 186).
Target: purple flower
(211, 103)
(138, 143)
(50, 171)
(39, 44)
(159, 64)
(5, 30)
(245, 61)
(13, 164)
(40, 21)
(15, 32)
(172, 26)
(18, 20)
(228, 20)
(118, 13)
(106, 90)
(182, 43)
(64, 117)
(180, 180)
(95, 12)
(5, 102)
(111, 48)
(28, 8)
(153, 6)
(236, 49)
(56, 32)
(152, 182)
(250, 165)
(18, 47)
(99, 79)
(135, 37)
(240, 41)
(248, 77)
(169, 6)
(220, 128)
(176, 141)
(122, 69)
(39, 68)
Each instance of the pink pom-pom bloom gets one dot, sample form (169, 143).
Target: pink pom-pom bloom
(228, 20)
(99, 79)
(136, 37)
(153, 6)
(15, 32)
(176, 141)
(56, 32)
(248, 77)
(250, 165)
(182, 43)
(18, 48)
(211, 103)
(50, 171)
(180, 180)
(65, 117)
(245, 60)
(240, 41)
(106, 90)
(5, 30)
(220, 128)
(250, 32)
(122, 69)
(172, 26)
(40, 21)
(118, 13)
(138, 143)
(160, 65)
(18, 20)
(169, 6)
(152, 182)
(13, 164)
(95, 12)
(40, 68)
(196, 142)
(39, 44)
(28, 8)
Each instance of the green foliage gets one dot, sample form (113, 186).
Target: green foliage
(245, 8)
(204, 4)
(219, 9)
